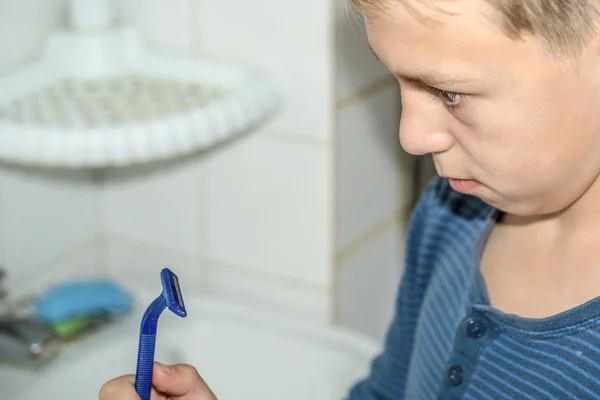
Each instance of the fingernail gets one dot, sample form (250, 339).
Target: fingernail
(164, 367)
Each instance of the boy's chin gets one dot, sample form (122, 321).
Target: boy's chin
(514, 205)
(521, 206)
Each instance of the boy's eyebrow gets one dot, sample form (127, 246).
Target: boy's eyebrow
(428, 78)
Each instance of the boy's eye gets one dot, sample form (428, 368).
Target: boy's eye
(452, 100)
(450, 97)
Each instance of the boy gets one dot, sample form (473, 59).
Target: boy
(500, 295)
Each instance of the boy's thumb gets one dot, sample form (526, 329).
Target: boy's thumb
(181, 382)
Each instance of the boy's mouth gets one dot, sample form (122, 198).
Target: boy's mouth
(463, 185)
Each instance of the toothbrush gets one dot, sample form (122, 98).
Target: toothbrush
(171, 298)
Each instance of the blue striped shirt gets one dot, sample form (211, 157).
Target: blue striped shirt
(447, 342)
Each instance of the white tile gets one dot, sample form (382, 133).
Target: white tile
(292, 40)
(355, 65)
(269, 208)
(165, 24)
(368, 282)
(372, 170)
(138, 266)
(159, 204)
(267, 291)
(31, 21)
(44, 213)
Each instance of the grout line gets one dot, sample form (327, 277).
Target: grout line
(203, 211)
(60, 256)
(141, 245)
(212, 264)
(205, 270)
(41, 274)
(194, 32)
(286, 281)
(382, 227)
(334, 309)
(3, 256)
(100, 228)
(102, 256)
(366, 92)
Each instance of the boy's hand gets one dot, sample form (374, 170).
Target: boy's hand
(177, 382)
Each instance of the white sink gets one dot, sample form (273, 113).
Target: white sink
(241, 353)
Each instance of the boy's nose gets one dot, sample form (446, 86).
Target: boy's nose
(424, 129)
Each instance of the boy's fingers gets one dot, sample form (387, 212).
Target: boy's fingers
(181, 382)
(120, 388)
(123, 388)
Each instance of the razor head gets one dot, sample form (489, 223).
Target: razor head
(172, 292)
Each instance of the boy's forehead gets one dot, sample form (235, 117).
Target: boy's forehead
(430, 11)
(434, 13)
(455, 40)
(426, 11)
(448, 25)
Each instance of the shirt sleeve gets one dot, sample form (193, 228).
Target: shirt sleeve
(389, 370)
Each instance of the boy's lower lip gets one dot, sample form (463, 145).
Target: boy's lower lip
(463, 185)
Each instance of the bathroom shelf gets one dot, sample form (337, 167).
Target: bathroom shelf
(104, 100)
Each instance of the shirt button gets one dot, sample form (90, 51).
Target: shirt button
(475, 328)
(455, 375)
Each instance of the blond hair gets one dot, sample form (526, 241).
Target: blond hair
(564, 26)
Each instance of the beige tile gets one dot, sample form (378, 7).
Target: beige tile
(367, 284)
(373, 172)
(42, 214)
(356, 68)
(292, 40)
(269, 208)
(159, 204)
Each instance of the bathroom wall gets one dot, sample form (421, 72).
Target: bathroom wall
(373, 181)
(252, 220)
(310, 210)
(304, 214)
(47, 219)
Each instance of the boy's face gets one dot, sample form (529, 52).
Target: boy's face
(522, 124)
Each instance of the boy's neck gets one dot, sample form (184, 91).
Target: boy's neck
(540, 266)
(578, 221)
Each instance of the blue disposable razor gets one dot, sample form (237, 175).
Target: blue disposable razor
(171, 298)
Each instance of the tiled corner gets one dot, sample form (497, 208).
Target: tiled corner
(43, 214)
(269, 208)
(78, 262)
(159, 204)
(367, 283)
(373, 171)
(270, 291)
(138, 265)
(165, 24)
(356, 68)
(292, 40)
